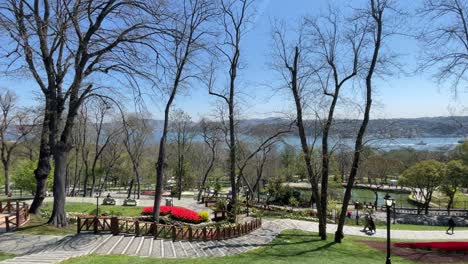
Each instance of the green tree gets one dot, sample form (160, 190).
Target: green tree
(288, 161)
(23, 175)
(461, 153)
(424, 177)
(455, 176)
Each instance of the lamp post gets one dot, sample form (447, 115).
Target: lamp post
(388, 203)
(394, 211)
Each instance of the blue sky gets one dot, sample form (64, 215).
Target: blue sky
(398, 96)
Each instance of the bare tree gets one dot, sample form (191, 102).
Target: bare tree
(444, 39)
(102, 136)
(332, 39)
(180, 61)
(183, 133)
(291, 61)
(211, 133)
(267, 138)
(83, 124)
(63, 44)
(261, 159)
(137, 132)
(112, 154)
(373, 17)
(14, 128)
(234, 21)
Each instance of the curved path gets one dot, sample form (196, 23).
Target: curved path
(83, 244)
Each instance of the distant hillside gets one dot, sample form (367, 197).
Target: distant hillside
(456, 126)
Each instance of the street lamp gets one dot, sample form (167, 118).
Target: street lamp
(388, 203)
(394, 212)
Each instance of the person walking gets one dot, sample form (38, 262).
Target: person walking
(451, 225)
(372, 227)
(366, 222)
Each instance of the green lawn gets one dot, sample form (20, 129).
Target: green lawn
(4, 256)
(38, 225)
(292, 246)
(90, 208)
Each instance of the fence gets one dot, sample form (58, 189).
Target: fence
(118, 226)
(20, 216)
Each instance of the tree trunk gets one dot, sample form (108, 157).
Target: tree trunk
(129, 194)
(86, 178)
(160, 162)
(450, 203)
(59, 217)
(207, 172)
(43, 167)
(305, 147)
(93, 182)
(181, 174)
(358, 147)
(376, 198)
(7, 178)
(138, 187)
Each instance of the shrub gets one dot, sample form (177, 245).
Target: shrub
(204, 215)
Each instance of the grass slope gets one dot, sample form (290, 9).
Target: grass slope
(38, 225)
(292, 246)
(4, 256)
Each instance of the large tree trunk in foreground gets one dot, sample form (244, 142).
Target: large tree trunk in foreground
(43, 168)
(59, 217)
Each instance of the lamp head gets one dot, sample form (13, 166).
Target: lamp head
(388, 200)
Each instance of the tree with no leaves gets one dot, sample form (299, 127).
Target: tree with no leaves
(15, 126)
(64, 45)
(137, 133)
(179, 63)
(372, 16)
(211, 133)
(332, 39)
(183, 134)
(444, 39)
(292, 61)
(234, 19)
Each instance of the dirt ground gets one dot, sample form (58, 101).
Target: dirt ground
(420, 255)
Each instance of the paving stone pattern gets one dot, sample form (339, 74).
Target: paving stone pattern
(54, 249)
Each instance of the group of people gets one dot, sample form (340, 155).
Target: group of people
(369, 224)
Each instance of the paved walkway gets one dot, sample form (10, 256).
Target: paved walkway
(56, 249)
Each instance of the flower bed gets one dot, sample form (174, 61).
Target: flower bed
(176, 213)
(444, 246)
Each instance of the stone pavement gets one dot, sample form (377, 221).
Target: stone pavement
(56, 249)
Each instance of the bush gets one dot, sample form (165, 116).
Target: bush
(204, 215)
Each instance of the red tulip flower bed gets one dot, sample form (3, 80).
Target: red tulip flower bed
(176, 213)
(444, 246)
